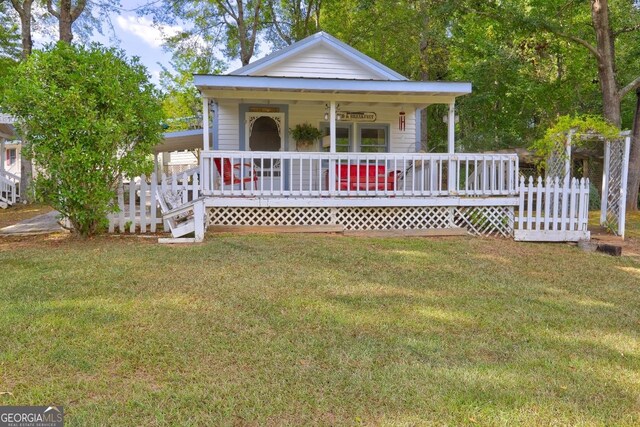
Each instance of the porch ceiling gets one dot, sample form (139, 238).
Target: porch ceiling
(7, 130)
(307, 89)
(178, 141)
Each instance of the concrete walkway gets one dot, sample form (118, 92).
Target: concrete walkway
(41, 224)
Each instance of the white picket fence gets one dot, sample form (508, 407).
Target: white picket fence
(138, 208)
(553, 211)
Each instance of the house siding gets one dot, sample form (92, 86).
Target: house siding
(400, 141)
(319, 62)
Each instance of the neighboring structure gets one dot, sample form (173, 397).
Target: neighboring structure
(366, 173)
(9, 163)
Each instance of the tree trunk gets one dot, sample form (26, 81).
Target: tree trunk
(606, 61)
(633, 180)
(67, 15)
(24, 12)
(65, 21)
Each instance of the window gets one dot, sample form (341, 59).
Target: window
(369, 138)
(12, 155)
(343, 137)
(374, 139)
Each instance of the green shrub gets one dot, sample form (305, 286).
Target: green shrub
(88, 116)
(594, 197)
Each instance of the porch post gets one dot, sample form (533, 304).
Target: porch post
(452, 172)
(332, 148)
(156, 169)
(3, 156)
(205, 124)
(452, 127)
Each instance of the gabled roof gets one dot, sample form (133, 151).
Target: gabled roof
(311, 42)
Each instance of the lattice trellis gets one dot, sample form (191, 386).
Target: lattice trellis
(616, 169)
(394, 218)
(270, 216)
(484, 221)
(556, 163)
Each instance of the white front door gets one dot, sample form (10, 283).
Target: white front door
(265, 132)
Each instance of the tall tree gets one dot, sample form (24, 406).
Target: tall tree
(287, 22)
(9, 36)
(607, 30)
(231, 26)
(67, 13)
(24, 10)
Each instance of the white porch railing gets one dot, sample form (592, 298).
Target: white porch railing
(313, 174)
(9, 187)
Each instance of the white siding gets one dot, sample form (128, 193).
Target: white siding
(400, 141)
(182, 158)
(320, 62)
(228, 125)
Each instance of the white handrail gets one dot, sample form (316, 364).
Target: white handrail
(307, 174)
(9, 176)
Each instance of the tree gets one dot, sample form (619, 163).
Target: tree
(9, 36)
(608, 30)
(231, 26)
(90, 116)
(66, 13)
(24, 10)
(287, 22)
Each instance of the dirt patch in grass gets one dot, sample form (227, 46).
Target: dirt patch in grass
(20, 212)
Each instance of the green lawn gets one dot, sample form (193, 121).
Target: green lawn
(308, 329)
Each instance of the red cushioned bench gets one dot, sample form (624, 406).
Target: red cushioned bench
(365, 177)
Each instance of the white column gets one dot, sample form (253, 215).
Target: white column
(332, 126)
(205, 124)
(156, 169)
(567, 159)
(3, 155)
(332, 149)
(452, 128)
(451, 122)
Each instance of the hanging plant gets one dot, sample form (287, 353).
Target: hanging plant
(583, 128)
(305, 134)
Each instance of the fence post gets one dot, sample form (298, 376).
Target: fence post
(623, 189)
(605, 183)
(132, 205)
(143, 204)
(198, 217)
(153, 204)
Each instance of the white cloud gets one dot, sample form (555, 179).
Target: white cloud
(144, 28)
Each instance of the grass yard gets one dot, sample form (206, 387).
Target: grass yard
(300, 329)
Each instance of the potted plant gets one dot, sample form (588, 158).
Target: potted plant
(305, 134)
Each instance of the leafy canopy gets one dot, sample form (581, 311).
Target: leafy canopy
(90, 116)
(583, 129)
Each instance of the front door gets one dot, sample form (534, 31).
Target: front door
(265, 132)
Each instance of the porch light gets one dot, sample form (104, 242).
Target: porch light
(326, 112)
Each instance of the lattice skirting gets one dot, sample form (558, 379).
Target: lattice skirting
(484, 221)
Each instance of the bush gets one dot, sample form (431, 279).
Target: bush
(89, 117)
(594, 197)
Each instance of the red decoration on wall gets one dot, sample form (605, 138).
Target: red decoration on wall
(402, 121)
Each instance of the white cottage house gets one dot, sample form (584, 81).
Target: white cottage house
(364, 172)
